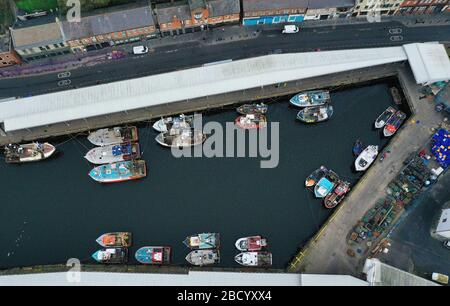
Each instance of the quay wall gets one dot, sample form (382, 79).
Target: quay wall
(201, 104)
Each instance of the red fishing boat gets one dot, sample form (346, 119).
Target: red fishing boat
(253, 243)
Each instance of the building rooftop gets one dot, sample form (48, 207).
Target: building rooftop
(204, 81)
(193, 278)
(38, 35)
(109, 22)
(224, 7)
(5, 43)
(319, 4)
(167, 12)
(261, 5)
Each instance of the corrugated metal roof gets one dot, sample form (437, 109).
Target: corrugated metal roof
(193, 278)
(186, 84)
(40, 35)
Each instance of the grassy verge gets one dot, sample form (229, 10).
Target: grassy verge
(36, 5)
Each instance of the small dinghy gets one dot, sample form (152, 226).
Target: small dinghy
(111, 256)
(315, 177)
(253, 243)
(203, 257)
(357, 147)
(366, 158)
(315, 114)
(248, 109)
(251, 121)
(384, 117)
(254, 259)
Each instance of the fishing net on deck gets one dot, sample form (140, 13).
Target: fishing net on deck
(440, 146)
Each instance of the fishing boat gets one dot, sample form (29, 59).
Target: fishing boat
(119, 172)
(396, 95)
(248, 109)
(111, 256)
(183, 138)
(153, 255)
(366, 158)
(315, 114)
(30, 152)
(163, 125)
(253, 243)
(113, 153)
(203, 241)
(314, 177)
(203, 257)
(326, 184)
(251, 121)
(394, 123)
(311, 98)
(333, 199)
(115, 240)
(115, 135)
(357, 147)
(384, 117)
(254, 259)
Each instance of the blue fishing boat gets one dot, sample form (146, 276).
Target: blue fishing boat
(203, 241)
(323, 187)
(311, 98)
(119, 172)
(358, 148)
(153, 255)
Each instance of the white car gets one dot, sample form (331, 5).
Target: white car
(290, 29)
(140, 50)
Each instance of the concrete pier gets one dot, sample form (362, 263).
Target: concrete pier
(327, 251)
(198, 105)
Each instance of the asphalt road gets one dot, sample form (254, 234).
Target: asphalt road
(181, 56)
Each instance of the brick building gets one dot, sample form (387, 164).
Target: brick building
(418, 7)
(325, 9)
(256, 12)
(110, 28)
(8, 57)
(383, 7)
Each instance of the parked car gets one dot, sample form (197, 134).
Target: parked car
(440, 278)
(140, 50)
(290, 29)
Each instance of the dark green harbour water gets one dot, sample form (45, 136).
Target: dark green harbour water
(52, 211)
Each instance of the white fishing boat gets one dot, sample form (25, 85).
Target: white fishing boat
(115, 135)
(384, 117)
(163, 125)
(181, 138)
(366, 158)
(113, 153)
(203, 257)
(254, 259)
(30, 152)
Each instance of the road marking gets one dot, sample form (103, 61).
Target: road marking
(64, 83)
(395, 31)
(396, 38)
(65, 74)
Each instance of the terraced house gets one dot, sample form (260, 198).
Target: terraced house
(110, 28)
(35, 41)
(8, 57)
(382, 7)
(258, 12)
(325, 9)
(418, 7)
(195, 15)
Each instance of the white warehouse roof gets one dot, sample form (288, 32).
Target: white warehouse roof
(193, 278)
(204, 81)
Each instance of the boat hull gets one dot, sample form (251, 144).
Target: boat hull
(117, 240)
(115, 135)
(26, 153)
(154, 255)
(252, 243)
(255, 122)
(310, 98)
(179, 141)
(111, 256)
(203, 257)
(113, 153)
(254, 259)
(385, 117)
(315, 114)
(248, 109)
(394, 124)
(119, 172)
(203, 241)
(366, 158)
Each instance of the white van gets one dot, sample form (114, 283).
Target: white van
(290, 29)
(140, 50)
